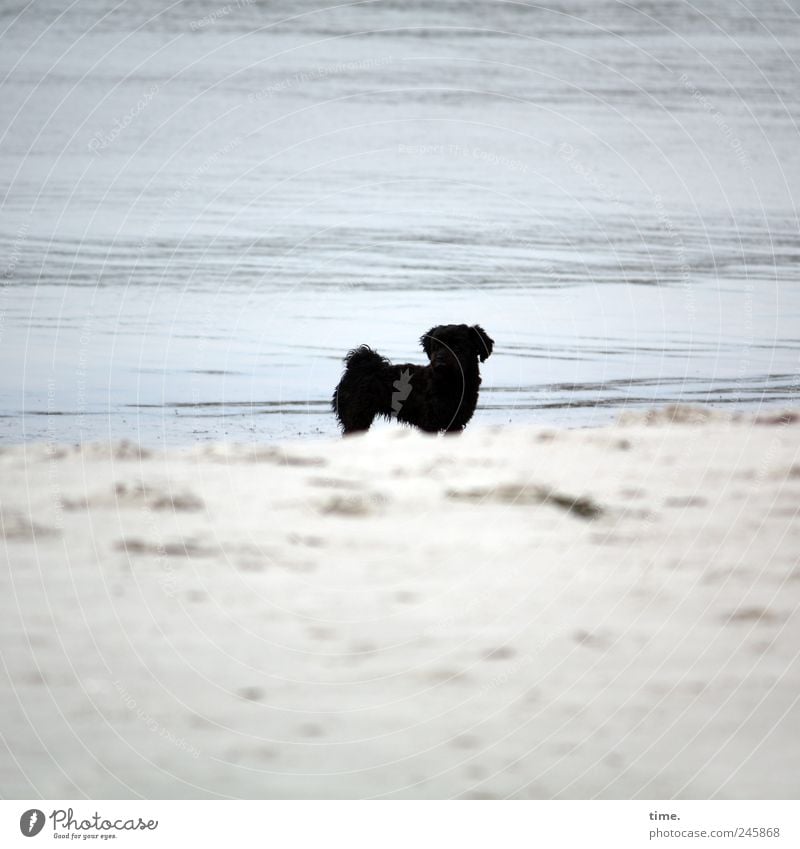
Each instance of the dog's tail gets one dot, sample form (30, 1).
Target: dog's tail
(364, 360)
(364, 390)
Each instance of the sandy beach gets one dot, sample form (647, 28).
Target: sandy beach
(515, 612)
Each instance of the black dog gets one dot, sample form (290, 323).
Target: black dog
(438, 397)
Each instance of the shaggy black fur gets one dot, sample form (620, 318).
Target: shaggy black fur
(438, 397)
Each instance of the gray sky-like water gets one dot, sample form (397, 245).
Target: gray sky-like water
(204, 206)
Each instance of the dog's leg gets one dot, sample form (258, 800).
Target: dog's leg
(353, 414)
(355, 424)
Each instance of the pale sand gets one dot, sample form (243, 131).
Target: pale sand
(405, 616)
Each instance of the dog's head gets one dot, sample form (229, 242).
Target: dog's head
(451, 345)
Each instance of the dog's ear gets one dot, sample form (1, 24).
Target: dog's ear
(426, 340)
(483, 341)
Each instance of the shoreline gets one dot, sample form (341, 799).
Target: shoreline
(162, 432)
(513, 612)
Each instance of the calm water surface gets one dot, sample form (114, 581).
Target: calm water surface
(205, 205)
